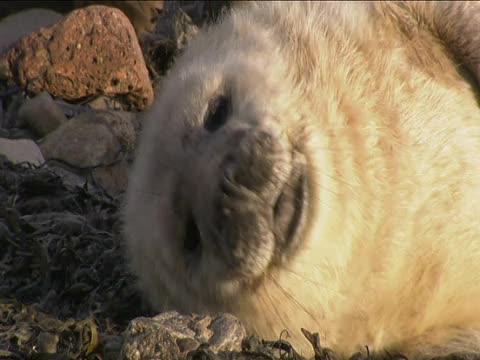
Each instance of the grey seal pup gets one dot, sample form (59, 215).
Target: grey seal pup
(317, 165)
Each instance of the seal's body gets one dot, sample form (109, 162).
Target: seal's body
(317, 165)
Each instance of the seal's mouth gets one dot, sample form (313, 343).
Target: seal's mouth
(289, 211)
(288, 214)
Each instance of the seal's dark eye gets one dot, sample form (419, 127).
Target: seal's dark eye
(217, 113)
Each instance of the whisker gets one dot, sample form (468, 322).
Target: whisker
(291, 297)
(271, 304)
(307, 279)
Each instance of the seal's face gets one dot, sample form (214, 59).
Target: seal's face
(241, 198)
(226, 185)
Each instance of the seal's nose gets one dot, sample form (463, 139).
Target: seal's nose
(251, 159)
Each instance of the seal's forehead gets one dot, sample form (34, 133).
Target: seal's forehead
(194, 83)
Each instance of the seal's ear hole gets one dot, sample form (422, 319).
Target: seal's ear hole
(218, 111)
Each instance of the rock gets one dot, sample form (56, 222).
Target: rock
(172, 336)
(16, 133)
(90, 143)
(140, 13)
(113, 178)
(82, 143)
(201, 11)
(22, 150)
(105, 103)
(228, 333)
(176, 26)
(8, 8)
(10, 115)
(15, 26)
(72, 110)
(69, 176)
(121, 123)
(41, 114)
(93, 51)
(124, 125)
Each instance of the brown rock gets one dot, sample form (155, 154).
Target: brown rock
(93, 51)
(82, 143)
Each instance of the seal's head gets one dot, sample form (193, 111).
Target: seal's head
(219, 195)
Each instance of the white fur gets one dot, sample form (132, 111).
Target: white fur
(392, 135)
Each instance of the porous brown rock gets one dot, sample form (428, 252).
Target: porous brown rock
(93, 51)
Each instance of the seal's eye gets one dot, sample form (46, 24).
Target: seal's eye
(217, 113)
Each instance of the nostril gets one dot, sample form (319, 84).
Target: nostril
(218, 111)
(192, 241)
(264, 138)
(267, 142)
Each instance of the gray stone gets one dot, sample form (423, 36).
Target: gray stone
(82, 143)
(21, 150)
(15, 26)
(69, 177)
(113, 178)
(105, 103)
(121, 123)
(72, 110)
(41, 114)
(172, 335)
